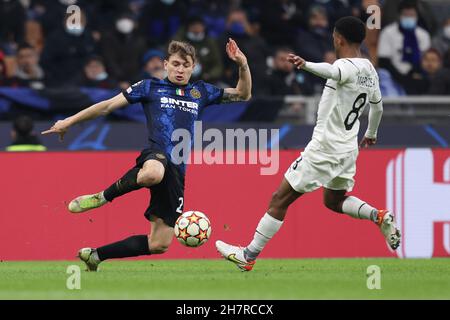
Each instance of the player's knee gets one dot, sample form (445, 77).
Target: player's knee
(149, 177)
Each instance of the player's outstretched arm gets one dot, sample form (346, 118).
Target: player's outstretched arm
(323, 69)
(100, 109)
(243, 90)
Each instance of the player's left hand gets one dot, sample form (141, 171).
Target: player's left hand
(299, 62)
(235, 54)
(367, 142)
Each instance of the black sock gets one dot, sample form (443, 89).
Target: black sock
(131, 247)
(124, 185)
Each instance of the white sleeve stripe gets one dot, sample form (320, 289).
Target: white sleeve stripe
(330, 87)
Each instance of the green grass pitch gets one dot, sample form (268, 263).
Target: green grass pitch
(218, 279)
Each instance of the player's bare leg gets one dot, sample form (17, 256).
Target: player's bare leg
(244, 258)
(151, 174)
(338, 201)
(161, 237)
(157, 242)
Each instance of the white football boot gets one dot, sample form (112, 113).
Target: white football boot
(86, 255)
(385, 220)
(235, 255)
(86, 203)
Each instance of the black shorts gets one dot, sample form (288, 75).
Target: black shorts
(167, 197)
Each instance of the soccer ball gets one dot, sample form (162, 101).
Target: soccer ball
(192, 229)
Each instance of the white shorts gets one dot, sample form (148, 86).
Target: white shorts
(315, 169)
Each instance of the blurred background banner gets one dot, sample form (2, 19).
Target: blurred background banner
(41, 228)
(105, 135)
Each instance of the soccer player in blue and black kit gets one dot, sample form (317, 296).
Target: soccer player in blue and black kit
(169, 104)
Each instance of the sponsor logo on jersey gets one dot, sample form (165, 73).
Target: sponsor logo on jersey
(187, 106)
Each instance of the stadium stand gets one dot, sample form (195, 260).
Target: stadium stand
(47, 71)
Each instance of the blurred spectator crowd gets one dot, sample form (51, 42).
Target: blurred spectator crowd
(122, 41)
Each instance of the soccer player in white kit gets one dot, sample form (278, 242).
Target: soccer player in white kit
(329, 160)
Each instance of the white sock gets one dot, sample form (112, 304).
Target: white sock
(267, 228)
(358, 209)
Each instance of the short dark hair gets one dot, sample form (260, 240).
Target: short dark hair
(194, 20)
(407, 4)
(184, 49)
(94, 58)
(352, 29)
(283, 49)
(24, 45)
(23, 125)
(434, 51)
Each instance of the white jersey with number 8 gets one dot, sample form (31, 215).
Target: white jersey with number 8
(341, 105)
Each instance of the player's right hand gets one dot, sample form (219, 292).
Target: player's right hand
(59, 128)
(367, 142)
(299, 62)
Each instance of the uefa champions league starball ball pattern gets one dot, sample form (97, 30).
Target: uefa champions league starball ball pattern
(192, 229)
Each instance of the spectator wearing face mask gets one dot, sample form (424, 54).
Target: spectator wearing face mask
(317, 39)
(153, 65)
(65, 52)
(49, 13)
(256, 49)
(401, 46)
(213, 13)
(442, 41)
(28, 72)
(280, 20)
(209, 66)
(95, 75)
(339, 8)
(123, 49)
(161, 20)
(425, 15)
(106, 11)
